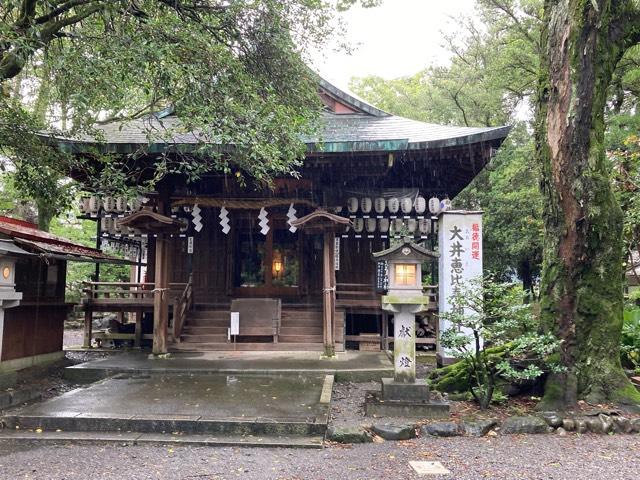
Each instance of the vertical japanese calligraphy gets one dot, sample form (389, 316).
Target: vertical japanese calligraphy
(460, 246)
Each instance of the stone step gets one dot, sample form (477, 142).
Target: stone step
(184, 424)
(133, 438)
(273, 347)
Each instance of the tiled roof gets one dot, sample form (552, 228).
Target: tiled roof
(397, 132)
(372, 129)
(27, 234)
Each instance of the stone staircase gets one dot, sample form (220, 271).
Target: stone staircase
(205, 329)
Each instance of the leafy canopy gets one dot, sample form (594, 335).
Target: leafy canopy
(235, 72)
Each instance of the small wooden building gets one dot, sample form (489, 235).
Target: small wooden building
(373, 170)
(31, 332)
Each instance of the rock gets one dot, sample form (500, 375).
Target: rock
(569, 424)
(635, 425)
(552, 418)
(581, 425)
(348, 435)
(561, 432)
(442, 429)
(530, 424)
(478, 428)
(607, 423)
(622, 425)
(395, 432)
(594, 424)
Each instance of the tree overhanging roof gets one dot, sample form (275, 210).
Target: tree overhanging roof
(367, 129)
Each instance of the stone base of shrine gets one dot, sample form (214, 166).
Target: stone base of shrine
(409, 402)
(400, 391)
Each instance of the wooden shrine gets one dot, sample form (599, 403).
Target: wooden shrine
(307, 241)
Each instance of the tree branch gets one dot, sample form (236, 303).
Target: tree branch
(63, 8)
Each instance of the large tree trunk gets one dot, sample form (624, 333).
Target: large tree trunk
(582, 290)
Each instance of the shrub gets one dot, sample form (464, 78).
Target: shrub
(497, 336)
(630, 339)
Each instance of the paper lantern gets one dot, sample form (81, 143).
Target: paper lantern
(434, 205)
(85, 206)
(406, 204)
(108, 204)
(383, 225)
(424, 225)
(371, 225)
(358, 225)
(393, 205)
(94, 204)
(352, 205)
(398, 225)
(121, 204)
(420, 205)
(365, 205)
(412, 225)
(379, 205)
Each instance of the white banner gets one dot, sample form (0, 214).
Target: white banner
(460, 247)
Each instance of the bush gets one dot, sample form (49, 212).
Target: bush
(497, 336)
(630, 339)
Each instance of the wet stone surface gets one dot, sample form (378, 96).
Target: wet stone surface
(292, 398)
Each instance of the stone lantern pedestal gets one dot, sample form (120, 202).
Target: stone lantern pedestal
(404, 395)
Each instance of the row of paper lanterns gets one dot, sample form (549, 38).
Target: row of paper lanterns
(93, 204)
(394, 205)
(384, 225)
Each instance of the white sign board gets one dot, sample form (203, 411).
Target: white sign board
(189, 244)
(235, 323)
(460, 247)
(336, 253)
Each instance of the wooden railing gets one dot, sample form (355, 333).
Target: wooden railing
(183, 304)
(127, 290)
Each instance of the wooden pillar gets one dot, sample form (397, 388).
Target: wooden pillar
(161, 297)
(88, 327)
(138, 332)
(329, 293)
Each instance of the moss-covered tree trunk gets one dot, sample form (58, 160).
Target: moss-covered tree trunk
(582, 291)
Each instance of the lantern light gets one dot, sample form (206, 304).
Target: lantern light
(6, 272)
(405, 274)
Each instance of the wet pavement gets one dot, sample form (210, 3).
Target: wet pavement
(358, 366)
(218, 396)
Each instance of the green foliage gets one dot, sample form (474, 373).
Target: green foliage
(489, 82)
(630, 340)
(496, 335)
(83, 232)
(234, 72)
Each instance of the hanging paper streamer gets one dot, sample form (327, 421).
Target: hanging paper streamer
(291, 216)
(197, 218)
(224, 220)
(264, 221)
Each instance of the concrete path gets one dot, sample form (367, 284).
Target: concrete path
(195, 404)
(347, 366)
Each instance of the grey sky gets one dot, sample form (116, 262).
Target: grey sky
(398, 38)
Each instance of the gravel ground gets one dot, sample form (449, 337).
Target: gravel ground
(512, 457)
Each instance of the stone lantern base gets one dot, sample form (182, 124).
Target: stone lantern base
(398, 399)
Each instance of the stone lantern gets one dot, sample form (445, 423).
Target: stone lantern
(403, 395)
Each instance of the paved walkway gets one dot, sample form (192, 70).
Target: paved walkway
(350, 365)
